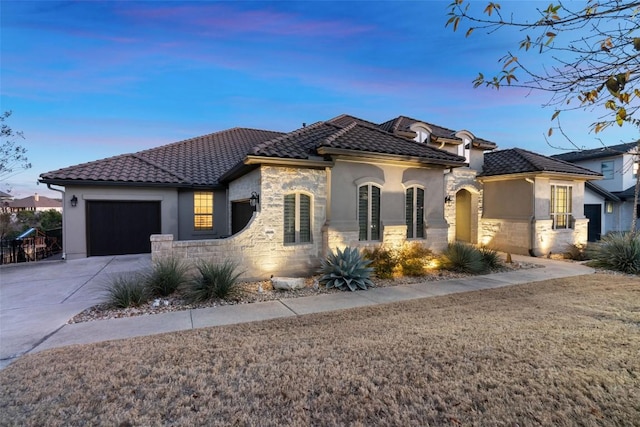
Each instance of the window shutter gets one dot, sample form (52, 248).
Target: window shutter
(375, 213)
(363, 211)
(305, 218)
(408, 209)
(289, 218)
(420, 213)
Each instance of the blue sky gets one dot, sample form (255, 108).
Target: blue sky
(88, 80)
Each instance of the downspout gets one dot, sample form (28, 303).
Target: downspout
(532, 218)
(64, 222)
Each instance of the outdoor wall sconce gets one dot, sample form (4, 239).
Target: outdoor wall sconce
(447, 199)
(254, 200)
(74, 201)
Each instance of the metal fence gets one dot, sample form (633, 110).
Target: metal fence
(31, 246)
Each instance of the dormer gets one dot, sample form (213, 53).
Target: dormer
(422, 131)
(464, 147)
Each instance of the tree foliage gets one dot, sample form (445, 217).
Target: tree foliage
(584, 55)
(13, 156)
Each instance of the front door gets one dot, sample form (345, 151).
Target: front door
(594, 229)
(463, 216)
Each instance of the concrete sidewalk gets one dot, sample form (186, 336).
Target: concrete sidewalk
(103, 330)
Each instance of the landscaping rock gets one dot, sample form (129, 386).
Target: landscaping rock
(288, 283)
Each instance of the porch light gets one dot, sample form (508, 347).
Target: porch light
(254, 200)
(74, 201)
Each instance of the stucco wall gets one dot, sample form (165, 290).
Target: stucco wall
(346, 176)
(185, 216)
(508, 199)
(74, 218)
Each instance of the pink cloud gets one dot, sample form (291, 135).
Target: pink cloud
(225, 20)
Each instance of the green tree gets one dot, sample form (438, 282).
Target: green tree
(13, 157)
(26, 219)
(50, 219)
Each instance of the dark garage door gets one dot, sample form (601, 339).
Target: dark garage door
(118, 228)
(593, 212)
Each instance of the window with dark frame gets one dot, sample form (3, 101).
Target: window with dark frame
(414, 212)
(369, 212)
(203, 210)
(297, 218)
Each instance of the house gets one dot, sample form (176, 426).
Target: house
(609, 205)
(277, 203)
(35, 203)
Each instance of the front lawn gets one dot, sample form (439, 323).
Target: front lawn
(560, 352)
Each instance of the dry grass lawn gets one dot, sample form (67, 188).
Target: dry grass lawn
(561, 352)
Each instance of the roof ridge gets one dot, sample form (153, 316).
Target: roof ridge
(156, 165)
(339, 133)
(264, 144)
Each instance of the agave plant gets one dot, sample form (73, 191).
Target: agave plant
(346, 270)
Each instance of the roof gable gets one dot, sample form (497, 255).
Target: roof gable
(517, 161)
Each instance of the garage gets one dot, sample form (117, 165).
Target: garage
(121, 227)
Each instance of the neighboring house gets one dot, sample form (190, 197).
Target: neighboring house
(35, 203)
(277, 203)
(532, 203)
(5, 198)
(609, 205)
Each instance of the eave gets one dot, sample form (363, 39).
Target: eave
(252, 162)
(383, 157)
(90, 183)
(541, 174)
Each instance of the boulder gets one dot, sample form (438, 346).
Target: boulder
(287, 283)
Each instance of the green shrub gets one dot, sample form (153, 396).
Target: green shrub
(576, 252)
(463, 258)
(383, 261)
(167, 276)
(617, 251)
(346, 270)
(214, 281)
(413, 258)
(127, 291)
(490, 258)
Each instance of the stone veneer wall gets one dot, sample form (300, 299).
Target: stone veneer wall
(457, 179)
(509, 235)
(259, 248)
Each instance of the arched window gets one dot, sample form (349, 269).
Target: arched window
(369, 212)
(414, 212)
(297, 218)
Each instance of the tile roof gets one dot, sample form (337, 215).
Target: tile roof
(403, 124)
(358, 136)
(345, 120)
(198, 161)
(517, 160)
(35, 202)
(596, 153)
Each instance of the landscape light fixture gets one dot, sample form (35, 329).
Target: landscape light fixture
(254, 199)
(74, 201)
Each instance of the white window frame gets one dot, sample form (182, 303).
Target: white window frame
(561, 210)
(610, 172)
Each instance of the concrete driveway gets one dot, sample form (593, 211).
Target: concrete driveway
(37, 299)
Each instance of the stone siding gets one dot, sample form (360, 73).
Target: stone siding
(259, 248)
(459, 179)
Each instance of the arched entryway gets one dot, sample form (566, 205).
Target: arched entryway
(464, 224)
